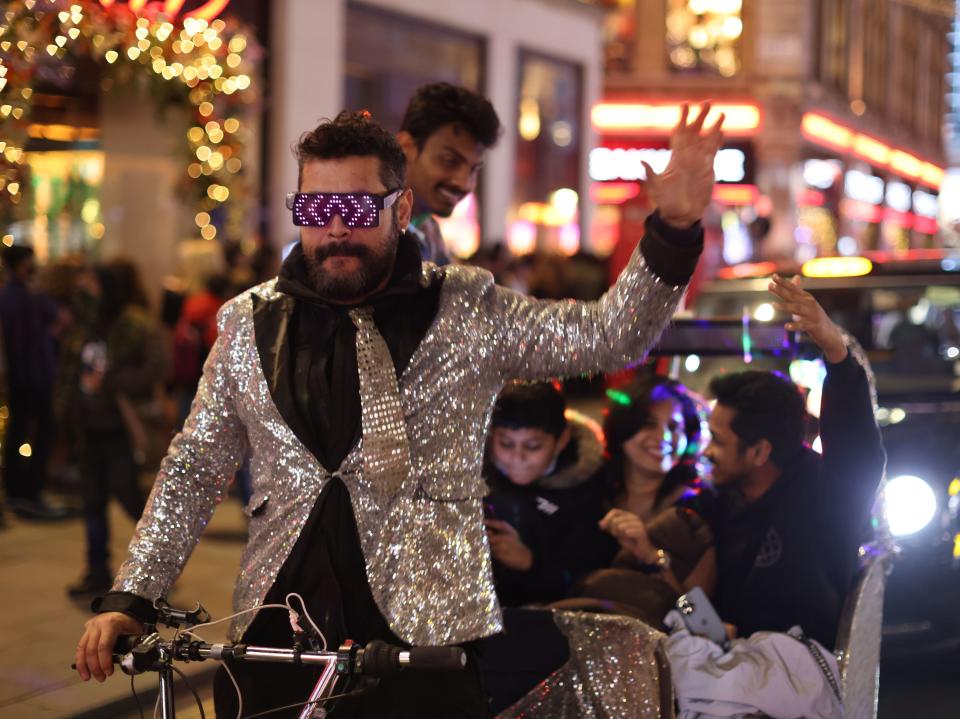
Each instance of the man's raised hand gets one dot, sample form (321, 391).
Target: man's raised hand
(683, 190)
(809, 317)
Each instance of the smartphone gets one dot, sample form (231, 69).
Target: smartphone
(701, 618)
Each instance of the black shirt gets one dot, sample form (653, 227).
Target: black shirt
(791, 556)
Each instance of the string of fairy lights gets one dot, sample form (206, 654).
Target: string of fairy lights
(208, 63)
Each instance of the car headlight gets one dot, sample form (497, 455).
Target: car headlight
(909, 503)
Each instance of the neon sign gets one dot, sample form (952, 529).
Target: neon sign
(627, 163)
(171, 8)
(660, 119)
(829, 133)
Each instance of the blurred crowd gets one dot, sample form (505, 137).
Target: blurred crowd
(97, 378)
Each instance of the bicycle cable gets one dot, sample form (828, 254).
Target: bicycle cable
(135, 697)
(192, 690)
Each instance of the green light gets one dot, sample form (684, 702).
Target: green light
(619, 397)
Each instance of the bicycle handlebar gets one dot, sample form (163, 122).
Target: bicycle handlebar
(139, 653)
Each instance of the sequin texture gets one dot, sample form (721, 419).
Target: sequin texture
(613, 671)
(428, 561)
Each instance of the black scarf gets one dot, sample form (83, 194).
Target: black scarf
(324, 379)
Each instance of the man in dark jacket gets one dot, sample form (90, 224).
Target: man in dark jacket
(29, 319)
(789, 522)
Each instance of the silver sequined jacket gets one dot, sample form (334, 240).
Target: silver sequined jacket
(427, 556)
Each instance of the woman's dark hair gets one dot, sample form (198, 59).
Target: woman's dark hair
(353, 134)
(768, 406)
(537, 405)
(629, 411)
(440, 103)
(120, 287)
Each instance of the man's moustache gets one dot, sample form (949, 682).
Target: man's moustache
(340, 249)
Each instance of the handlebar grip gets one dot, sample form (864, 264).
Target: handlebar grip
(379, 659)
(126, 643)
(436, 658)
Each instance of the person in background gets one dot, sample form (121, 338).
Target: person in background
(30, 320)
(789, 521)
(445, 135)
(546, 496)
(122, 363)
(193, 336)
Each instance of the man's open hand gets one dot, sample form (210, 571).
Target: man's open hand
(683, 190)
(809, 317)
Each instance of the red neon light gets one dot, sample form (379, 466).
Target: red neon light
(171, 8)
(735, 194)
(747, 269)
(613, 193)
(925, 225)
(900, 255)
(823, 131)
(900, 219)
(661, 118)
(811, 198)
(861, 211)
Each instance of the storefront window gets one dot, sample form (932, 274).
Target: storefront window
(388, 57)
(704, 36)
(546, 207)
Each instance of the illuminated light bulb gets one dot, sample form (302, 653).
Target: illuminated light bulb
(133, 52)
(764, 312)
(111, 56)
(205, 108)
(202, 219)
(208, 232)
(231, 124)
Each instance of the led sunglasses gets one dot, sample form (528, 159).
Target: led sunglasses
(356, 209)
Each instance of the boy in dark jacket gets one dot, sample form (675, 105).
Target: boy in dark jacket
(545, 496)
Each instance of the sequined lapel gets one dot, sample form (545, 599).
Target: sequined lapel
(271, 323)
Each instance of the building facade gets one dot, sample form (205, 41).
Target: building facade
(539, 62)
(835, 111)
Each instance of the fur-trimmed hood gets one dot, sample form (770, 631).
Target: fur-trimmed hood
(586, 449)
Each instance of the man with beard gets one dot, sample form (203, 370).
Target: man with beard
(445, 134)
(361, 382)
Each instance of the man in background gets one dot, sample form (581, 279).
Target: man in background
(445, 135)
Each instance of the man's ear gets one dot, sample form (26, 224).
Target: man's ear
(404, 207)
(564, 439)
(408, 145)
(759, 454)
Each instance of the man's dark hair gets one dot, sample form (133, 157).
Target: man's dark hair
(538, 405)
(768, 406)
(353, 134)
(16, 254)
(440, 103)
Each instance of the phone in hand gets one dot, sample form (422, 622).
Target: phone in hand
(701, 618)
